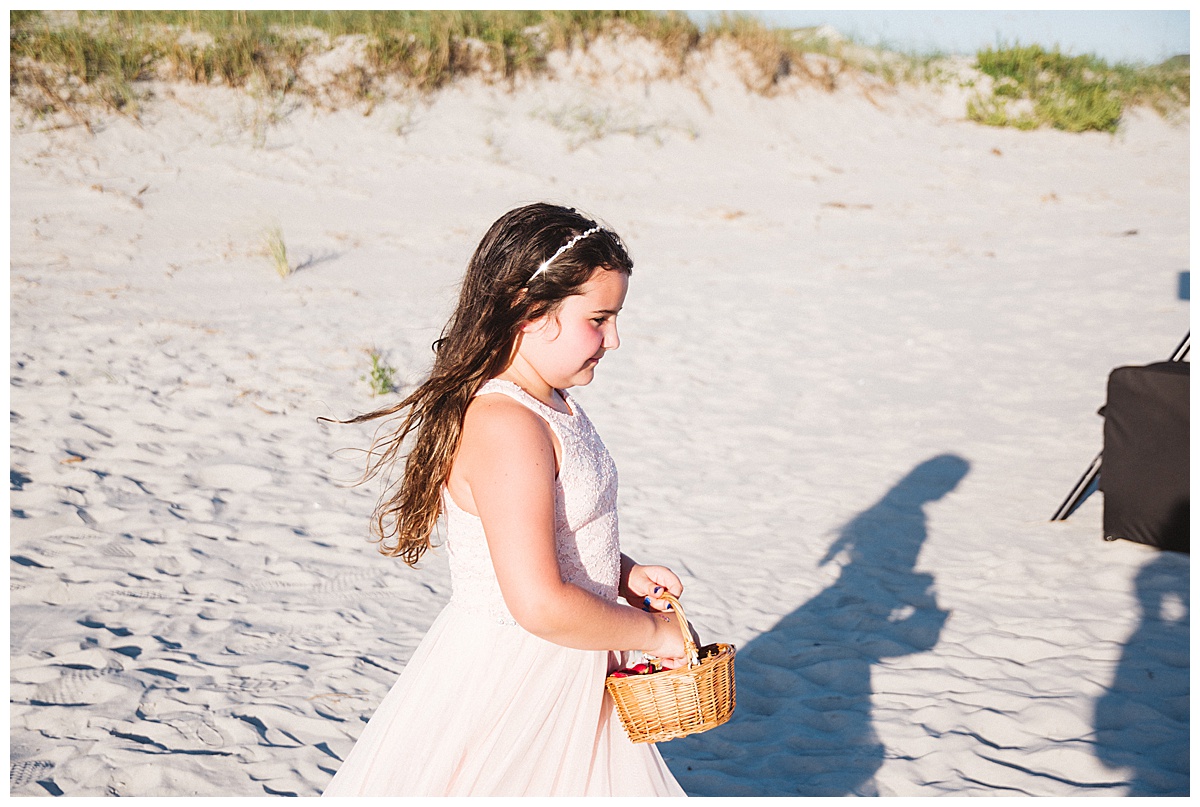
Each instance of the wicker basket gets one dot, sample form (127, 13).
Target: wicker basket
(675, 703)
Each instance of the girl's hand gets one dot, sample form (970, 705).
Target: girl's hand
(669, 648)
(643, 583)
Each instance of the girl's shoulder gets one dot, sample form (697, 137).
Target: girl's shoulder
(495, 419)
(503, 439)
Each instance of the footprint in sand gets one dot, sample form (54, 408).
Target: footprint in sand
(252, 643)
(117, 550)
(353, 584)
(336, 706)
(197, 729)
(233, 477)
(27, 770)
(78, 688)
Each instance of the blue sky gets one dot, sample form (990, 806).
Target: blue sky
(1116, 36)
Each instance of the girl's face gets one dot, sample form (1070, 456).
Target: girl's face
(565, 345)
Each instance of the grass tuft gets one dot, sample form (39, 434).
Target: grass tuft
(768, 50)
(382, 377)
(277, 251)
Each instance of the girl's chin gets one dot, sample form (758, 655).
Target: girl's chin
(584, 376)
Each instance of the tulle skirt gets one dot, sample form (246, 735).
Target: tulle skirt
(490, 709)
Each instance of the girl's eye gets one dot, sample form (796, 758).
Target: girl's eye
(600, 320)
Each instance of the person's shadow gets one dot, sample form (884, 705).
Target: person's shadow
(1142, 722)
(802, 726)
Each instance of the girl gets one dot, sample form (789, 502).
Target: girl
(505, 694)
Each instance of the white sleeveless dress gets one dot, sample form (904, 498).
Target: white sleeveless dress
(486, 708)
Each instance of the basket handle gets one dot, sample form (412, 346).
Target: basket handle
(689, 647)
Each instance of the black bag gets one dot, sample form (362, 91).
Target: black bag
(1146, 455)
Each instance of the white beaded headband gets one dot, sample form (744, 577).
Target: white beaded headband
(544, 265)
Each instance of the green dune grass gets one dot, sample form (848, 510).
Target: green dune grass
(68, 62)
(1073, 93)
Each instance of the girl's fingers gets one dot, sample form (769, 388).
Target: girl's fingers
(667, 581)
(655, 604)
(660, 589)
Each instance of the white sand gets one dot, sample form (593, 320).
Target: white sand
(860, 331)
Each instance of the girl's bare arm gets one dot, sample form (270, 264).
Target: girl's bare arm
(507, 461)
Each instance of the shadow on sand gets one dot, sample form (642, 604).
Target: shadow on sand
(1142, 722)
(803, 721)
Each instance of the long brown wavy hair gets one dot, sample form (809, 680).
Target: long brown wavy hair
(496, 298)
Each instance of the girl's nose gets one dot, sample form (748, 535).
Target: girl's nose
(611, 340)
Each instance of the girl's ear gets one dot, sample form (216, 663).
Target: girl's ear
(534, 325)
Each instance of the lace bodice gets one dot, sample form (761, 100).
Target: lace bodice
(585, 516)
